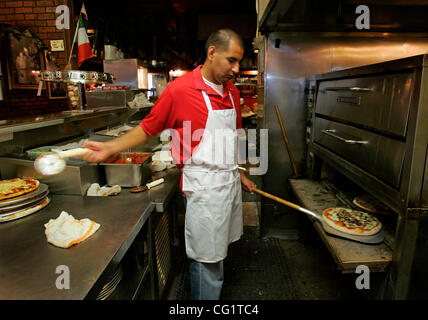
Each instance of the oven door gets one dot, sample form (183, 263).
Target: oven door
(379, 155)
(380, 102)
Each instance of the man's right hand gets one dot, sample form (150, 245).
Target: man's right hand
(102, 150)
(99, 151)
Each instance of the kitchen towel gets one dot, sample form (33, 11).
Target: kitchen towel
(65, 231)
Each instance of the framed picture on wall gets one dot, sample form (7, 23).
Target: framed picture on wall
(56, 90)
(23, 62)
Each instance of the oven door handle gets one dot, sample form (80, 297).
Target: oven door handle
(332, 133)
(354, 89)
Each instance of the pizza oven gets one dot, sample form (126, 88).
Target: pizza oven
(369, 125)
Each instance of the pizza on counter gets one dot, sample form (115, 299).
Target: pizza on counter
(352, 221)
(11, 188)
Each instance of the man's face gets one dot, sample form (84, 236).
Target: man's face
(225, 62)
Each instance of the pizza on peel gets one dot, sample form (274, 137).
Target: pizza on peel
(352, 221)
(11, 188)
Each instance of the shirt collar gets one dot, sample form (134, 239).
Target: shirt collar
(200, 84)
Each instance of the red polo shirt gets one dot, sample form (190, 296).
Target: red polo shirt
(182, 100)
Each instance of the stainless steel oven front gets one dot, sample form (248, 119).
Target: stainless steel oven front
(371, 124)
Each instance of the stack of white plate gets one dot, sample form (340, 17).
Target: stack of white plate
(21, 206)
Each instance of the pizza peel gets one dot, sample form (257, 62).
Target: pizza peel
(53, 163)
(370, 239)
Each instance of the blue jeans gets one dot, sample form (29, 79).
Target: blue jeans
(206, 280)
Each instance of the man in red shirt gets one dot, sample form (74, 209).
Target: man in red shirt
(203, 109)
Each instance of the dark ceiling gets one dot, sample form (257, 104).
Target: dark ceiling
(170, 30)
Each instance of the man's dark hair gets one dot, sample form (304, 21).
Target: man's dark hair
(221, 39)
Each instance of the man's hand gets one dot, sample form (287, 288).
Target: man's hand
(102, 150)
(99, 151)
(246, 183)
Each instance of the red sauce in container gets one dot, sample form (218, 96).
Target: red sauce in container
(129, 158)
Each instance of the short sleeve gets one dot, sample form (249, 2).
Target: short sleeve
(161, 116)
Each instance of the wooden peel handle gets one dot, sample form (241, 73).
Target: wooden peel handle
(72, 153)
(287, 203)
(270, 196)
(287, 145)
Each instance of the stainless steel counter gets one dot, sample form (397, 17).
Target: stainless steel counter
(28, 262)
(34, 122)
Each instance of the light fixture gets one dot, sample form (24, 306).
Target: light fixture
(176, 73)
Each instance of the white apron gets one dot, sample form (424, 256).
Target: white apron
(213, 189)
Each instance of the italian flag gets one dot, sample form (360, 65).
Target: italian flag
(84, 50)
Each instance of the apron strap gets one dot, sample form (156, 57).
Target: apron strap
(207, 100)
(231, 99)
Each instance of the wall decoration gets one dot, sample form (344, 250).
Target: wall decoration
(23, 62)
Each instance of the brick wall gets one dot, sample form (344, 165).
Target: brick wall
(39, 18)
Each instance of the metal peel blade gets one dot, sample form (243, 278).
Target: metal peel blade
(53, 163)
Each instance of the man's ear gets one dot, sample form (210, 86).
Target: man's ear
(210, 52)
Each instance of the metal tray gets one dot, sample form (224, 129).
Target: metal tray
(24, 212)
(128, 175)
(32, 154)
(23, 204)
(9, 202)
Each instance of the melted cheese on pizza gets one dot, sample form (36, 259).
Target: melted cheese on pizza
(9, 186)
(357, 219)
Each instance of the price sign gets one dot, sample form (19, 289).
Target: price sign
(57, 45)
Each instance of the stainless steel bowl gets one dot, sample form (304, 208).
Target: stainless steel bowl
(128, 174)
